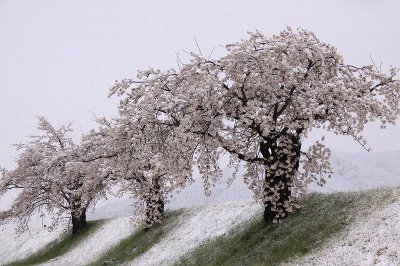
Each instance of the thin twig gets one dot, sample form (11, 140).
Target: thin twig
(197, 44)
(211, 53)
(178, 60)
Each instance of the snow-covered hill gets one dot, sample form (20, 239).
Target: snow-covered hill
(372, 239)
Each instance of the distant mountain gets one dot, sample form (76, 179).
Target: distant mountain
(362, 171)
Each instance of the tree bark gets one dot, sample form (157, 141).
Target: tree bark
(278, 210)
(272, 152)
(154, 211)
(78, 221)
(155, 205)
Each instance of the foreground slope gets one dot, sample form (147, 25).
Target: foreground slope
(197, 227)
(373, 239)
(357, 228)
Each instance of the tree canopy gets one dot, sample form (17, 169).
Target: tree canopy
(258, 103)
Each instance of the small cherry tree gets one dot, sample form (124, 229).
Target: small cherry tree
(259, 102)
(51, 177)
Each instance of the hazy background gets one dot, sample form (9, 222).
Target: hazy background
(59, 58)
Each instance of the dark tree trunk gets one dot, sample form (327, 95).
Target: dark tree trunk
(154, 205)
(272, 151)
(154, 211)
(78, 221)
(274, 211)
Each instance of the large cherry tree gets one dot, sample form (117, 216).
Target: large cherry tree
(258, 103)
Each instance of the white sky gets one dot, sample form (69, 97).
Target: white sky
(58, 58)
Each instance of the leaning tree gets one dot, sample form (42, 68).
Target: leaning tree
(259, 102)
(51, 177)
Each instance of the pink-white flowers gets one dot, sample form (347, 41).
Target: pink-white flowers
(258, 103)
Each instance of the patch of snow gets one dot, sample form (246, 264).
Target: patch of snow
(202, 224)
(17, 247)
(106, 236)
(374, 239)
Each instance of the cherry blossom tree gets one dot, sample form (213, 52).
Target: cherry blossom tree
(144, 160)
(52, 177)
(258, 104)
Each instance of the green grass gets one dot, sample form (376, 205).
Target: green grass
(138, 243)
(58, 247)
(257, 243)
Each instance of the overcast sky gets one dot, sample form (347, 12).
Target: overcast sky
(59, 58)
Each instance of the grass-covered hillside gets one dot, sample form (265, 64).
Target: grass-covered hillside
(329, 229)
(323, 219)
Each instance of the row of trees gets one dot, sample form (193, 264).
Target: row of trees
(256, 104)
(57, 176)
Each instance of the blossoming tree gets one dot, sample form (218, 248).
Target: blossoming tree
(258, 103)
(52, 177)
(144, 160)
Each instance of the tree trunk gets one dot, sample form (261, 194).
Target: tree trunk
(78, 221)
(277, 210)
(154, 211)
(273, 152)
(154, 205)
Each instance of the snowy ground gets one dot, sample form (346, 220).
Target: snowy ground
(194, 227)
(201, 225)
(15, 247)
(374, 239)
(106, 236)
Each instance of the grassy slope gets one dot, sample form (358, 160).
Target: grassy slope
(256, 243)
(58, 247)
(138, 243)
